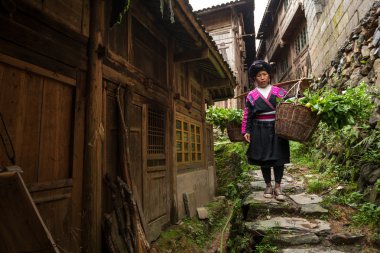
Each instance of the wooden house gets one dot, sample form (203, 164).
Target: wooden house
(283, 32)
(300, 37)
(231, 26)
(84, 99)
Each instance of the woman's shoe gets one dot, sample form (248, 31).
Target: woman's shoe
(268, 193)
(278, 194)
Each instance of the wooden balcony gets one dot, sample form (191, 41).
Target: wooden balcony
(292, 19)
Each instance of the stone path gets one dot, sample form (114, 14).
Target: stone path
(296, 225)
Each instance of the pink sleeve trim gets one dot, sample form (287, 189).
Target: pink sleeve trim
(278, 91)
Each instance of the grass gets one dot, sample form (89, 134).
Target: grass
(349, 209)
(194, 235)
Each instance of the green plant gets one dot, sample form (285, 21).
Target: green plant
(368, 214)
(319, 185)
(220, 117)
(267, 243)
(338, 109)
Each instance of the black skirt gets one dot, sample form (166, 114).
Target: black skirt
(266, 148)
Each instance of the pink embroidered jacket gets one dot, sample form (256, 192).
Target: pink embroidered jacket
(257, 107)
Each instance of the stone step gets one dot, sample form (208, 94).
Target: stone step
(313, 250)
(256, 205)
(294, 225)
(289, 226)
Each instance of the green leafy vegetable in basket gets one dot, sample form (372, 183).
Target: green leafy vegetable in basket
(338, 109)
(220, 117)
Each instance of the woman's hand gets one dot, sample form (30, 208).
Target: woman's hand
(247, 137)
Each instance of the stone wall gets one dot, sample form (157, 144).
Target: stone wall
(330, 23)
(357, 60)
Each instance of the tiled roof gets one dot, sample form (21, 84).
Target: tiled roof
(219, 5)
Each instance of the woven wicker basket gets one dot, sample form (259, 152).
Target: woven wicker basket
(295, 122)
(234, 132)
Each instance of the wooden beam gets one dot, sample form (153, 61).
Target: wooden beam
(180, 16)
(217, 84)
(217, 66)
(94, 135)
(36, 69)
(304, 82)
(192, 55)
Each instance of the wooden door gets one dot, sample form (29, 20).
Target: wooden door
(149, 162)
(42, 114)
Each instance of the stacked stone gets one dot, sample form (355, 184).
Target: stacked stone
(298, 224)
(358, 60)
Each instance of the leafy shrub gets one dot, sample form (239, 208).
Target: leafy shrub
(338, 109)
(368, 214)
(318, 185)
(219, 116)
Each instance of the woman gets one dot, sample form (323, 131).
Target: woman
(265, 149)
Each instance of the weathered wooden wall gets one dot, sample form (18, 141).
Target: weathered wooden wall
(42, 64)
(47, 99)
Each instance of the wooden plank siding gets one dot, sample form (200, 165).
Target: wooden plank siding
(60, 79)
(39, 114)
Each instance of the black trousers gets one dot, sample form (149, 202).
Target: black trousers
(278, 174)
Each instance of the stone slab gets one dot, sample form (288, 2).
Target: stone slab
(202, 213)
(190, 204)
(313, 209)
(304, 198)
(312, 250)
(297, 239)
(290, 224)
(256, 204)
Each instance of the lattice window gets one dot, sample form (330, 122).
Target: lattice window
(156, 131)
(301, 40)
(188, 142)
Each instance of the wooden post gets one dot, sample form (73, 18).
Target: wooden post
(94, 134)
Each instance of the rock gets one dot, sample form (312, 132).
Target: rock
(376, 66)
(374, 195)
(365, 52)
(290, 224)
(349, 47)
(365, 80)
(357, 46)
(374, 176)
(376, 37)
(312, 250)
(346, 72)
(375, 117)
(189, 203)
(256, 175)
(256, 204)
(202, 213)
(375, 53)
(297, 239)
(220, 198)
(349, 57)
(345, 238)
(304, 198)
(313, 209)
(365, 69)
(258, 185)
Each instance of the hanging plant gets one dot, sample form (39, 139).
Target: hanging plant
(162, 4)
(119, 9)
